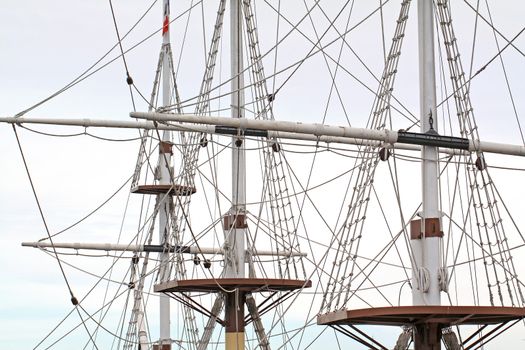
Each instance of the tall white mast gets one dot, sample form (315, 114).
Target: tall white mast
(165, 161)
(235, 220)
(236, 268)
(427, 248)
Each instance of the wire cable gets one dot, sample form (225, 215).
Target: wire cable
(74, 300)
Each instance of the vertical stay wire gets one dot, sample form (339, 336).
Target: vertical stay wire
(342, 35)
(350, 234)
(467, 218)
(277, 33)
(131, 85)
(482, 68)
(100, 279)
(316, 44)
(63, 336)
(183, 42)
(313, 53)
(118, 38)
(485, 207)
(42, 213)
(494, 28)
(474, 36)
(103, 315)
(454, 194)
(129, 80)
(333, 75)
(280, 206)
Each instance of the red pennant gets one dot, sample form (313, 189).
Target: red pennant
(165, 25)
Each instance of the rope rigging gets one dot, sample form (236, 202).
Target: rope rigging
(276, 187)
(349, 236)
(484, 209)
(281, 212)
(88, 72)
(74, 300)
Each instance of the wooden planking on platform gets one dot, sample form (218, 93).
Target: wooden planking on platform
(411, 315)
(172, 190)
(227, 284)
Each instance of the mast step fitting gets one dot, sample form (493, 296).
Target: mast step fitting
(234, 221)
(432, 228)
(171, 190)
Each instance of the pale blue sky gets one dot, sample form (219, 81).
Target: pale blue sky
(44, 45)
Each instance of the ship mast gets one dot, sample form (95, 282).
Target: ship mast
(427, 320)
(235, 221)
(235, 267)
(165, 161)
(426, 239)
(426, 249)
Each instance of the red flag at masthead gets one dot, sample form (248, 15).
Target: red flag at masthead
(166, 23)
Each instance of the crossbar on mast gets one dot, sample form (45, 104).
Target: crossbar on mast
(208, 129)
(211, 128)
(385, 136)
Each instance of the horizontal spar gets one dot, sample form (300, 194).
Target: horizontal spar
(151, 248)
(212, 129)
(358, 134)
(104, 123)
(316, 130)
(207, 129)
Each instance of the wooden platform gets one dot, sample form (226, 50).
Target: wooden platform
(172, 190)
(413, 315)
(227, 284)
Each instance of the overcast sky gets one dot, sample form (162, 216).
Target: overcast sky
(45, 45)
